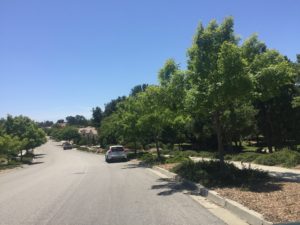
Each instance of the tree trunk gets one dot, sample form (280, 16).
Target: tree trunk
(269, 131)
(21, 155)
(157, 149)
(236, 144)
(240, 143)
(135, 149)
(219, 136)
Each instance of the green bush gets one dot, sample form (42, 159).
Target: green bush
(151, 159)
(188, 153)
(176, 159)
(132, 145)
(85, 149)
(138, 155)
(285, 157)
(210, 174)
(166, 152)
(244, 157)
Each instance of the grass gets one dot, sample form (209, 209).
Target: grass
(210, 174)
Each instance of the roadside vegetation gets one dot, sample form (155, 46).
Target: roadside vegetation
(235, 101)
(18, 137)
(209, 174)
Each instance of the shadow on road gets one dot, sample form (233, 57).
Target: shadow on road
(35, 163)
(134, 165)
(171, 186)
(38, 156)
(286, 176)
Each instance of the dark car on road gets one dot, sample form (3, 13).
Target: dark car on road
(67, 145)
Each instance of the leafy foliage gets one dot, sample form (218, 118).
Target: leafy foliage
(17, 134)
(210, 175)
(230, 92)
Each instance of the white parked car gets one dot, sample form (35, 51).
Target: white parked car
(115, 152)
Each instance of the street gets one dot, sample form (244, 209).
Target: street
(78, 188)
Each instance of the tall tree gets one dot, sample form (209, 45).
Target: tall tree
(164, 75)
(217, 73)
(112, 106)
(137, 89)
(271, 73)
(26, 130)
(97, 116)
(154, 116)
(129, 113)
(77, 120)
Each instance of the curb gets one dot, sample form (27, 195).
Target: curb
(250, 216)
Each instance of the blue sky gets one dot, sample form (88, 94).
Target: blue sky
(63, 57)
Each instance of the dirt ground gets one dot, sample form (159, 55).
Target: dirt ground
(277, 201)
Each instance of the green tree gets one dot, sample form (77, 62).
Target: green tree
(252, 47)
(110, 130)
(164, 75)
(77, 120)
(97, 116)
(217, 74)
(129, 112)
(25, 129)
(69, 133)
(137, 89)
(10, 146)
(271, 73)
(154, 116)
(112, 106)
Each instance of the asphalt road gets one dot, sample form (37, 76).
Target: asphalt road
(78, 188)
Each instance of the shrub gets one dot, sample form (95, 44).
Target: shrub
(165, 152)
(176, 159)
(151, 159)
(85, 149)
(210, 174)
(138, 155)
(245, 157)
(188, 153)
(285, 157)
(132, 145)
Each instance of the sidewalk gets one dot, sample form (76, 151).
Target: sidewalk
(274, 171)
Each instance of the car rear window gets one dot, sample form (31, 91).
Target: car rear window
(117, 149)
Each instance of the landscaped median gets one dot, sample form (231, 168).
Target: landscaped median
(251, 194)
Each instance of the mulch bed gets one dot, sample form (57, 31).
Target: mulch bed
(278, 201)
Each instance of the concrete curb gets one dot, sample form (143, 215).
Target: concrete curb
(252, 217)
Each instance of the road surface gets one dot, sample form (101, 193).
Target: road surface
(78, 188)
